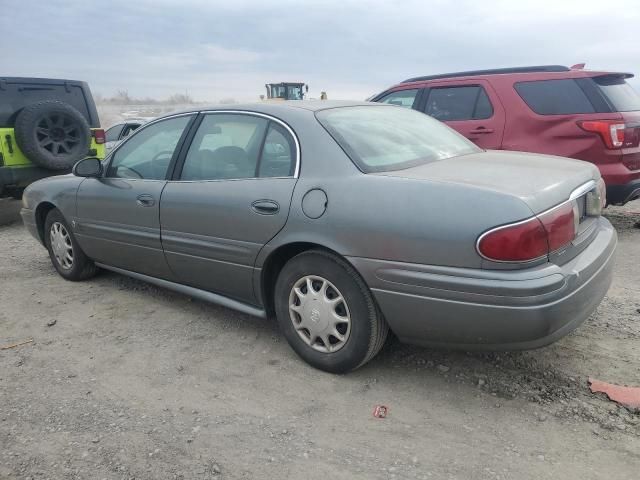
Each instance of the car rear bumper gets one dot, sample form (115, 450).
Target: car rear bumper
(621, 194)
(493, 310)
(29, 220)
(623, 185)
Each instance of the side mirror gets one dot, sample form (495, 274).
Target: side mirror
(88, 167)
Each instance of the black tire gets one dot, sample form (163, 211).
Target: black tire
(82, 267)
(16, 194)
(368, 329)
(52, 134)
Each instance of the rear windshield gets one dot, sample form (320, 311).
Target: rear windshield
(384, 138)
(17, 93)
(620, 94)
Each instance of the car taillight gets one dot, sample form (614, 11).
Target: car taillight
(533, 238)
(596, 199)
(518, 242)
(561, 225)
(611, 131)
(99, 135)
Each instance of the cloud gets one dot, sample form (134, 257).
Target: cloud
(350, 49)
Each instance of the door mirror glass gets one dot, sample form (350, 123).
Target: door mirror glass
(88, 167)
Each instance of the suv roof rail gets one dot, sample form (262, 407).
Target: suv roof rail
(493, 71)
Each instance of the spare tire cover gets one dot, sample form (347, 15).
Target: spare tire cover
(52, 134)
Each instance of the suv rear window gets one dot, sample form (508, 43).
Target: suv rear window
(458, 103)
(554, 97)
(383, 138)
(620, 94)
(17, 93)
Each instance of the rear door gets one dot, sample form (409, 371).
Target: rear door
(470, 107)
(230, 195)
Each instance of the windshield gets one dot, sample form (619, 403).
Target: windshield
(382, 138)
(620, 94)
(294, 92)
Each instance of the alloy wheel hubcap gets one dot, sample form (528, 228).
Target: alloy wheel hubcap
(319, 314)
(61, 245)
(58, 133)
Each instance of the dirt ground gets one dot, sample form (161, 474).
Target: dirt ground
(132, 381)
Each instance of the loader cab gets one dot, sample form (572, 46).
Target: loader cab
(286, 91)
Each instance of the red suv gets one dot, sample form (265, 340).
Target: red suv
(588, 115)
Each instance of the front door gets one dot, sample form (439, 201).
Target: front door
(231, 196)
(118, 215)
(470, 107)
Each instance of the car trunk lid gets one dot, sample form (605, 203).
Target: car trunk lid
(541, 181)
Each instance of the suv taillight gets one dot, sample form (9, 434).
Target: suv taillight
(99, 135)
(531, 239)
(611, 131)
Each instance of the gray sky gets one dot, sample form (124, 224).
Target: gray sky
(351, 49)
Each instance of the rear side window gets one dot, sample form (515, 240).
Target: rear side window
(458, 103)
(278, 153)
(402, 98)
(381, 138)
(226, 146)
(620, 94)
(113, 134)
(554, 97)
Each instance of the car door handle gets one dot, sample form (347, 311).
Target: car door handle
(481, 130)
(145, 200)
(265, 207)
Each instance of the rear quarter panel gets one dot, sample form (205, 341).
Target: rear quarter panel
(383, 217)
(558, 135)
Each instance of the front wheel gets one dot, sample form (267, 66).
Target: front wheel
(327, 313)
(66, 255)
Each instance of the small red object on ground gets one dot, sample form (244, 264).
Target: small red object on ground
(380, 411)
(627, 396)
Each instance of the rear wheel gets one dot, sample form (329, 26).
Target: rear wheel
(327, 313)
(66, 255)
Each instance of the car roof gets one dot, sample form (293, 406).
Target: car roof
(521, 73)
(274, 108)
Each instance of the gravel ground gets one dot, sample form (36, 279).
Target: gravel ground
(124, 380)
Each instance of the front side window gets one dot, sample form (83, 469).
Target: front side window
(380, 138)
(554, 97)
(226, 146)
(147, 155)
(458, 103)
(402, 98)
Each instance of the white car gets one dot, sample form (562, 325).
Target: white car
(120, 131)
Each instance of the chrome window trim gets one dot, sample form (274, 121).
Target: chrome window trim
(576, 193)
(296, 171)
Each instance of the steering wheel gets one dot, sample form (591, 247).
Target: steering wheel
(134, 173)
(160, 154)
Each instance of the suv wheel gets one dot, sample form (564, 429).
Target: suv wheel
(327, 313)
(65, 253)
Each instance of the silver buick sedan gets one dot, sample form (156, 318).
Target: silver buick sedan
(344, 221)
